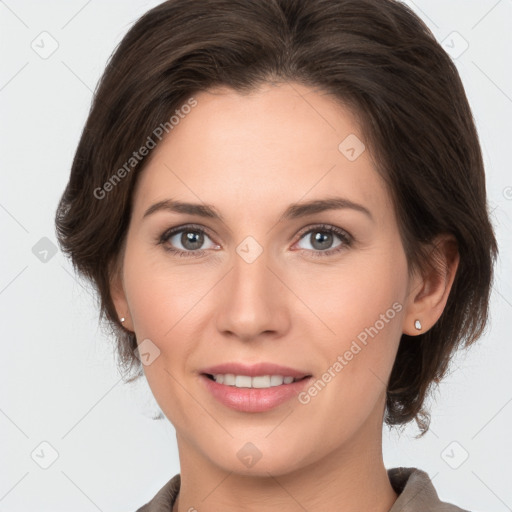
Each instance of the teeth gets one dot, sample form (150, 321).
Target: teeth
(242, 381)
(245, 381)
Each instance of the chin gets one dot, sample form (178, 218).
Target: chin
(246, 458)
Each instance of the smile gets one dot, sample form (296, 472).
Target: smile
(246, 381)
(253, 394)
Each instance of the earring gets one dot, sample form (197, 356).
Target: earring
(122, 319)
(417, 324)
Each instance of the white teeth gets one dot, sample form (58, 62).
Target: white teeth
(229, 379)
(245, 381)
(276, 380)
(261, 381)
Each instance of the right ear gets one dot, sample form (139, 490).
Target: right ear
(118, 294)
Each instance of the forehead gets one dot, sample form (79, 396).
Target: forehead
(276, 145)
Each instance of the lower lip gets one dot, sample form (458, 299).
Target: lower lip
(254, 399)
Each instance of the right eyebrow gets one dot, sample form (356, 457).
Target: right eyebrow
(202, 210)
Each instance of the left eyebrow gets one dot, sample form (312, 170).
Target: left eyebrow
(297, 210)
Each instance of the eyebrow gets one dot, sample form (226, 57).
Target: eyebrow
(294, 211)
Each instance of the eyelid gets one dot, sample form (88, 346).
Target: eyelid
(326, 227)
(183, 227)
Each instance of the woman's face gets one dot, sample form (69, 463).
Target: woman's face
(256, 286)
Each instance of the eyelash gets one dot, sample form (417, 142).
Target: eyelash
(346, 239)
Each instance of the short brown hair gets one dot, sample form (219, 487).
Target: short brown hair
(374, 56)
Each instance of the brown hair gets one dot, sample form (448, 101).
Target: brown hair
(375, 56)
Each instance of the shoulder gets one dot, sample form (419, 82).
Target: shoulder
(164, 498)
(416, 492)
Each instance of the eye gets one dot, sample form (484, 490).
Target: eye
(189, 240)
(322, 237)
(186, 241)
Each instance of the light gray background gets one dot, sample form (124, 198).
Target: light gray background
(59, 383)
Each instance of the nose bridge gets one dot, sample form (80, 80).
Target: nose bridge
(254, 299)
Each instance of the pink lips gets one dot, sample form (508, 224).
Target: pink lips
(254, 399)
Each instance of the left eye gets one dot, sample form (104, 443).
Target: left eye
(321, 239)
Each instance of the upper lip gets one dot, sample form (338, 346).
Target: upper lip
(254, 370)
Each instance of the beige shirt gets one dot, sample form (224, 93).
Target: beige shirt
(413, 486)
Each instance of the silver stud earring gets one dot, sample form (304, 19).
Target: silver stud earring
(123, 319)
(417, 324)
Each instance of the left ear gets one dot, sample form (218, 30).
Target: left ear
(428, 292)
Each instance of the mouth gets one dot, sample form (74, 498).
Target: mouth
(253, 393)
(253, 387)
(253, 375)
(257, 381)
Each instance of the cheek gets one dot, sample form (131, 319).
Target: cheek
(360, 308)
(356, 296)
(162, 310)
(158, 296)
(165, 308)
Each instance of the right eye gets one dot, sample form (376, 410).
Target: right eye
(190, 238)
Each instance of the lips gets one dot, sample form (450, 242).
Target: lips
(253, 400)
(254, 370)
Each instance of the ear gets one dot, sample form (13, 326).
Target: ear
(118, 294)
(428, 292)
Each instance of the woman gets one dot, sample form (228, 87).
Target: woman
(282, 206)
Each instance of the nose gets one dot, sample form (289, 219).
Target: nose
(253, 301)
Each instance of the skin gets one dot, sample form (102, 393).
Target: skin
(251, 156)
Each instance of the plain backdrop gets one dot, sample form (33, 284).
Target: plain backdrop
(73, 437)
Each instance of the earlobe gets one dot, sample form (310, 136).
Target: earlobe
(430, 292)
